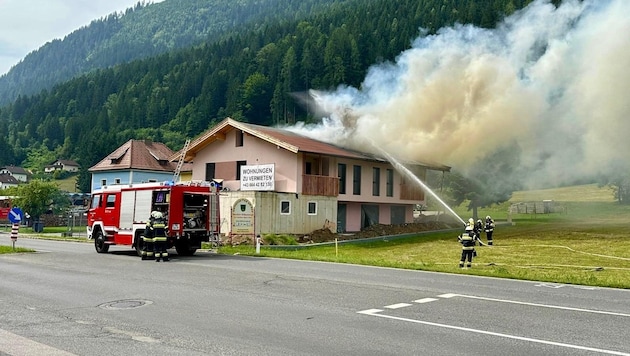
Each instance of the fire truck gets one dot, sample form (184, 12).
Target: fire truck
(118, 214)
(5, 207)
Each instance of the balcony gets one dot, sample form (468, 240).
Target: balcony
(320, 185)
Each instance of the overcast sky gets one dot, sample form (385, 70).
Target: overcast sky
(26, 25)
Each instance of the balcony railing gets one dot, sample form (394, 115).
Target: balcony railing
(320, 185)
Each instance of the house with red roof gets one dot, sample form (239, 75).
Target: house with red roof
(277, 181)
(136, 161)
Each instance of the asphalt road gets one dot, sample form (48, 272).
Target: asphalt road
(68, 300)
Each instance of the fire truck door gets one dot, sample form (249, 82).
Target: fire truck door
(112, 206)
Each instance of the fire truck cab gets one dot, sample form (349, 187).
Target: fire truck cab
(118, 214)
(5, 207)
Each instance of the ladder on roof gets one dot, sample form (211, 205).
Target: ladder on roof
(180, 163)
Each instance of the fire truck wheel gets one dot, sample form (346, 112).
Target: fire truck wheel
(99, 242)
(139, 245)
(184, 249)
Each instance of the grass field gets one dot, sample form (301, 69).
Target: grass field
(587, 243)
(577, 193)
(67, 184)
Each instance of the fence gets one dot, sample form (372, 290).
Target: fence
(539, 207)
(75, 222)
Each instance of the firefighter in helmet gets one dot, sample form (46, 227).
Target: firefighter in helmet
(478, 229)
(468, 240)
(147, 240)
(158, 229)
(489, 229)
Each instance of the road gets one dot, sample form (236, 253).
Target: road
(68, 300)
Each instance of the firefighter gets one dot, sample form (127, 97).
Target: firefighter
(489, 229)
(468, 240)
(147, 240)
(478, 229)
(158, 228)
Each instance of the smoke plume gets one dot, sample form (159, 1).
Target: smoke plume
(550, 81)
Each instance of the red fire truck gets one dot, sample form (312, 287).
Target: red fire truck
(5, 207)
(118, 214)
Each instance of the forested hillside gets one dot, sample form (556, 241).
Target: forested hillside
(144, 31)
(248, 75)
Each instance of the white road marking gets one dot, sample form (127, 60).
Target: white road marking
(550, 285)
(448, 295)
(545, 305)
(16, 345)
(398, 306)
(375, 312)
(425, 300)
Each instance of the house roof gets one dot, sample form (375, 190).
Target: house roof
(15, 170)
(8, 179)
(286, 139)
(140, 155)
(65, 162)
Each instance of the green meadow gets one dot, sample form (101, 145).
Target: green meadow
(584, 241)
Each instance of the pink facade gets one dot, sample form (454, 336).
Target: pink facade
(366, 190)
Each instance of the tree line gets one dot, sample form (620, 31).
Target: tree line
(247, 75)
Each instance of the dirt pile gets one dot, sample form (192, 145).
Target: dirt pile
(325, 235)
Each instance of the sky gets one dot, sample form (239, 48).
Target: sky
(542, 99)
(26, 25)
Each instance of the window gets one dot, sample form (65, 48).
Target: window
(376, 181)
(356, 180)
(117, 181)
(285, 207)
(160, 197)
(341, 173)
(103, 182)
(111, 201)
(312, 208)
(239, 138)
(96, 201)
(390, 183)
(210, 171)
(239, 164)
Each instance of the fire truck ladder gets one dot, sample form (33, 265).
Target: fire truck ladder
(181, 161)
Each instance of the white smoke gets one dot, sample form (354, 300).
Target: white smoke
(553, 81)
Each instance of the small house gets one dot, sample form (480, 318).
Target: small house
(136, 161)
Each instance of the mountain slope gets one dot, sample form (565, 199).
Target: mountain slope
(144, 31)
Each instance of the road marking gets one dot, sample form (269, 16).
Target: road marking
(550, 285)
(556, 286)
(425, 300)
(448, 295)
(16, 345)
(544, 305)
(375, 312)
(398, 306)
